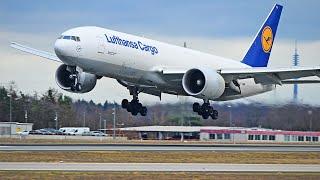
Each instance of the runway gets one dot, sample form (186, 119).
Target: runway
(144, 147)
(171, 167)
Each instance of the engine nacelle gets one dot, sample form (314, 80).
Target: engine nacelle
(88, 81)
(203, 83)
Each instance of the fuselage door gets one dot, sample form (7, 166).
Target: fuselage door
(101, 49)
(78, 47)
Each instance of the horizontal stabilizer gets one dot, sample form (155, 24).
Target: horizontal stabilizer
(301, 82)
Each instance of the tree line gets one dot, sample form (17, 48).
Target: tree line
(43, 109)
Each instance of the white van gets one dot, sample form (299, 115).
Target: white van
(74, 130)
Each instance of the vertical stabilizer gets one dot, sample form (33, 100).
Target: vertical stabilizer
(259, 51)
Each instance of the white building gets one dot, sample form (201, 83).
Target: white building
(224, 134)
(12, 128)
(256, 135)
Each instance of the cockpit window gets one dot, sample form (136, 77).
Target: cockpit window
(74, 38)
(66, 37)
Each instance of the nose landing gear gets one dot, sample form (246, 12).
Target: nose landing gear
(205, 110)
(74, 78)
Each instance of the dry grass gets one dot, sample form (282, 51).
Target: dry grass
(43, 175)
(164, 157)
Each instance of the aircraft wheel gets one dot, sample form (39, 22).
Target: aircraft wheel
(205, 115)
(196, 107)
(214, 114)
(143, 111)
(125, 103)
(78, 87)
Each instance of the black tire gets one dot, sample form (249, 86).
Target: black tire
(143, 111)
(139, 105)
(124, 103)
(214, 115)
(78, 87)
(129, 107)
(196, 107)
(72, 88)
(205, 115)
(134, 112)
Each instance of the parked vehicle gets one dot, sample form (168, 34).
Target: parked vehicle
(35, 132)
(97, 133)
(45, 132)
(54, 131)
(74, 130)
(87, 133)
(23, 133)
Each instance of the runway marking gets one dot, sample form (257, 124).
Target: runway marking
(244, 148)
(172, 167)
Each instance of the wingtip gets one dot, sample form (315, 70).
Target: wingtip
(278, 6)
(13, 43)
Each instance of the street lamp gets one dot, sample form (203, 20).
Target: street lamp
(105, 126)
(310, 120)
(84, 119)
(10, 96)
(114, 120)
(26, 115)
(100, 121)
(230, 115)
(56, 119)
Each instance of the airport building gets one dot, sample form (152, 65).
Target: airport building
(223, 134)
(12, 128)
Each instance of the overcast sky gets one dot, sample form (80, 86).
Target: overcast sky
(224, 28)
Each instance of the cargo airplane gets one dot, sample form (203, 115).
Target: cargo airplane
(147, 66)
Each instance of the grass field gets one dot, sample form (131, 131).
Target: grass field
(43, 175)
(163, 157)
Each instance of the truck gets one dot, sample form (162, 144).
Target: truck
(74, 130)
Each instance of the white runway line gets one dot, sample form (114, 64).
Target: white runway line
(171, 167)
(243, 148)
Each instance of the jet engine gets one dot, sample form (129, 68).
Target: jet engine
(77, 82)
(203, 83)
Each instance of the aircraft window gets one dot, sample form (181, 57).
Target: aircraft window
(77, 38)
(60, 37)
(73, 38)
(66, 37)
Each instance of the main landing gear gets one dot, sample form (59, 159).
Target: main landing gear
(205, 110)
(134, 106)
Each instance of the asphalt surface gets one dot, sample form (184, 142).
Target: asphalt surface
(184, 167)
(144, 147)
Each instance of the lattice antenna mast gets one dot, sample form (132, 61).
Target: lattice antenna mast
(295, 62)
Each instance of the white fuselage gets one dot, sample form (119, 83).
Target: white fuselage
(140, 60)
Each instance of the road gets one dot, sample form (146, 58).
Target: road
(184, 167)
(144, 147)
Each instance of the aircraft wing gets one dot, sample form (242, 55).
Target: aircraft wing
(273, 75)
(36, 52)
(261, 75)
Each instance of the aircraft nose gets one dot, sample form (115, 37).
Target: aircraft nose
(59, 47)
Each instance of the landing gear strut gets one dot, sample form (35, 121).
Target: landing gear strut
(205, 110)
(134, 106)
(74, 77)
